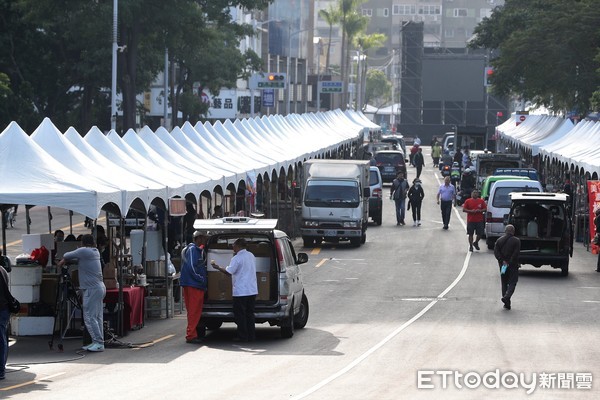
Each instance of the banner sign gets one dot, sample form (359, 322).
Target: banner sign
(594, 199)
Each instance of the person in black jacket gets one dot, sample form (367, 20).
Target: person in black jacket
(415, 198)
(419, 161)
(506, 251)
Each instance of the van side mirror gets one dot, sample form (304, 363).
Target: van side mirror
(302, 258)
(297, 192)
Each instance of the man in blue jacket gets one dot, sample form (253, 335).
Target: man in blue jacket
(194, 280)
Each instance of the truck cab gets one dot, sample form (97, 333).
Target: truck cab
(335, 201)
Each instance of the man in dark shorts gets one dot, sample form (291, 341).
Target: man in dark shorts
(475, 208)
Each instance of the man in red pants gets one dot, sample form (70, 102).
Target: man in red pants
(193, 280)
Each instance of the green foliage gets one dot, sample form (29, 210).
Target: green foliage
(378, 90)
(57, 55)
(546, 49)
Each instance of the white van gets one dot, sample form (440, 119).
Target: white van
(498, 205)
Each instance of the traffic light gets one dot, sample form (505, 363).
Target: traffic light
(276, 78)
(273, 80)
(489, 73)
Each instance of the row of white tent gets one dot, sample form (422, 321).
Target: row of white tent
(84, 173)
(558, 139)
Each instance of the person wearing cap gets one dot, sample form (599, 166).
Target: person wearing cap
(506, 251)
(92, 287)
(193, 280)
(415, 198)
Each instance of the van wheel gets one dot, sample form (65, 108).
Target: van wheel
(355, 241)
(490, 243)
(287, 325)
(213, 325)
(564, 268)
(301, 318)
(308, 242)
(363, 238)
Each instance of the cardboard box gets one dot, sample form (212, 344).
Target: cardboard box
(30, 326)
(219, 286)
(110, 283)
(263, 281)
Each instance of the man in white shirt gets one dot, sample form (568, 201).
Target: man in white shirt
(242, 269)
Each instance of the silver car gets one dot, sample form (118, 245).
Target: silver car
(281, 300)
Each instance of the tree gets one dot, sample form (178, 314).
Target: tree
(545, 50)
(331, 16)
(364, 43)
(378, 91)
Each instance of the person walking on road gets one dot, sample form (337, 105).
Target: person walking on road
(506, 251)
(445, 197)
(194, 281)
(242, 270)
(398, 193)
(436, 153)
(415, 198)
(475, 208)
(419, 161)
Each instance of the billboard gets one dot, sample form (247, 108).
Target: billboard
(453, 79)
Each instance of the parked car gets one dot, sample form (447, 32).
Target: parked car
(543, 225)
(498, 205)
(490, 181)
(376, 198)
(396, 140)
(390, 162)
(281, 298)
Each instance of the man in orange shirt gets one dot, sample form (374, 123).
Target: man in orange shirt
(475, 208)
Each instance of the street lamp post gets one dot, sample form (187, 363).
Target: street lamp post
(113, 88)
(287, 69)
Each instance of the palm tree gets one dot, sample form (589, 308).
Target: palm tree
(353, 24)
(331, 16)
(364, 43)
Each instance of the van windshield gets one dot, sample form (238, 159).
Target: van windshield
(501, 195)
(334, 194)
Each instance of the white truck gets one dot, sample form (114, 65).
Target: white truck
(335, 201)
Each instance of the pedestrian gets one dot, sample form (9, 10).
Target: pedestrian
(91, 284)
(475, 208)
(413, 151)
(506, 251)
(242, 270)
(597, 224)
(419, 161)
(466, 159)
(415, 198)
(445, 197)
(398, 193)
(436, 153)
(4, 319)
(193, 280)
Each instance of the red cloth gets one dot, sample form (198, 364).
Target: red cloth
(475, 204)
(133, 301)
(194, 301)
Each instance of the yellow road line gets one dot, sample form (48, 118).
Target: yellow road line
(315, 251)
(321, 263)
(154, 342)
(32, 382)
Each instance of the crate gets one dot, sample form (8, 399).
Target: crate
(156, 307)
